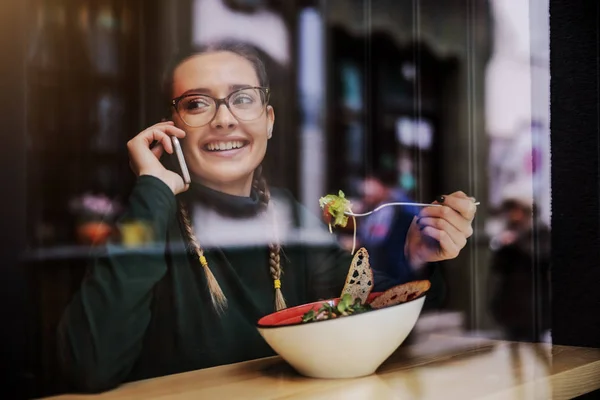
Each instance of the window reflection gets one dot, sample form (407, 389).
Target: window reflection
(383, 100)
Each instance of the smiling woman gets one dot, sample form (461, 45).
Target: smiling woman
(157, 310)
(224, 145)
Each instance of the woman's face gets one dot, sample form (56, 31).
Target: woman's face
(205, 148)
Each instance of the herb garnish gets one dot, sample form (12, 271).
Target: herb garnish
(346, 306)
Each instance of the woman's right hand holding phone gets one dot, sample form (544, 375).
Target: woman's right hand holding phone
(146, 161)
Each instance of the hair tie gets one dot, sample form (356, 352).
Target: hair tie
(277, 284)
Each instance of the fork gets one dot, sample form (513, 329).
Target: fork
(351, 214)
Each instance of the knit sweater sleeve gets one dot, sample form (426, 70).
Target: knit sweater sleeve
(101, 332)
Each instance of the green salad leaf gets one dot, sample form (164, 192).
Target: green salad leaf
(346, 306)
(336, 206)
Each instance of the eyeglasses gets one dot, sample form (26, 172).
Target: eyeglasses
(246, 104)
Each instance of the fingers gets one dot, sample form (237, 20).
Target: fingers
(462, 203)
(460, 194)
(463, 195)
(167, 127)
(149, 145)
(457, 237)
(447, 227)
(158, 150)
(164, 141)
(150, 136)
(449, 215)
(171, 129)
(160, 133)
(447, 246)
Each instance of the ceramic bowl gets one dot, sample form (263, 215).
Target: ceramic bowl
(345, 347)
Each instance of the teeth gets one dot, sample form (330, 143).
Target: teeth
(220, 146)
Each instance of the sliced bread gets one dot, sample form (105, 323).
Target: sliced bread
(401, 293)
(359, 281)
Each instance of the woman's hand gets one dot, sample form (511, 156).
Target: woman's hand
(144, 160)
(440, 233)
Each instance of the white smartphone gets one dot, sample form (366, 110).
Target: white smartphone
(185, 173)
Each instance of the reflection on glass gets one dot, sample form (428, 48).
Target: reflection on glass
(389, 104)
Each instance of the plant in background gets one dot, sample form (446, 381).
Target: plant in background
(90, 207)
(95, 215)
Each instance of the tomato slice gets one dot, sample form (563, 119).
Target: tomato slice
(327, 214)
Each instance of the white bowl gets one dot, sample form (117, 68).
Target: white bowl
(345, 347)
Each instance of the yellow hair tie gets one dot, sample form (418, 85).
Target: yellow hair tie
(277, 284)
(203, 261)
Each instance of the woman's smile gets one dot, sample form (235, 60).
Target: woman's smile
(222, 146)
(230, 148)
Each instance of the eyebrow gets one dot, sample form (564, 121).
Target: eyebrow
(232, 88)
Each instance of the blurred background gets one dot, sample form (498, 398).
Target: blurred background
(379, 98)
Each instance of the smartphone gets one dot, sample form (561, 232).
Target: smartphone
(185, 173)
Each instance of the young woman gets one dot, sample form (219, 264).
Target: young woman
(161, 308)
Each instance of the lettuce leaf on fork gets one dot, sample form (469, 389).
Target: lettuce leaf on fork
(334, 208)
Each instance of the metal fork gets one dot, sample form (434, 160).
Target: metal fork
(351, 214)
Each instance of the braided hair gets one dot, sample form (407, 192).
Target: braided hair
(260, 185)
(218, 298)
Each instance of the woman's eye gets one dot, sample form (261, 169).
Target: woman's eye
(196, 104)
(243, 100)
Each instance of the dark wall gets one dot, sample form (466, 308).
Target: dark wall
(575, 171)
(13, 310)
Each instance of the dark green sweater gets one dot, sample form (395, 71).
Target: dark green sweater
(146, 312)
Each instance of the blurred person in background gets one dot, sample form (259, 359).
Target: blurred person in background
(190, 298)
(520, 269)
(381, 232)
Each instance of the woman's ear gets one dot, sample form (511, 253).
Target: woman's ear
(270, 121)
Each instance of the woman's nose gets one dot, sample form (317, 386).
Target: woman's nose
(224, 118)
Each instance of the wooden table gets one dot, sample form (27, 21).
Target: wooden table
(439, 367)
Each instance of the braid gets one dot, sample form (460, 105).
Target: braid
(216, 294)
(275, 269)
(260, 185)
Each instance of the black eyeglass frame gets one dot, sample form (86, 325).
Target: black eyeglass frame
(224, 100)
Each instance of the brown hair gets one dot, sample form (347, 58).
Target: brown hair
(259, 183)
(241, 49)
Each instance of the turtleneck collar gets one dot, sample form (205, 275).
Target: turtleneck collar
(223, 203)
